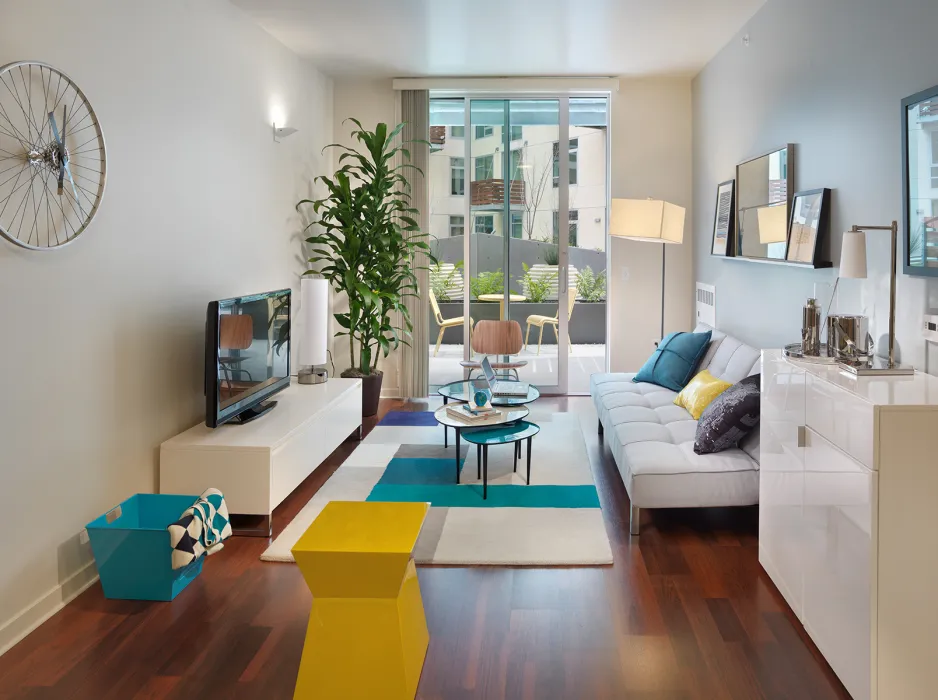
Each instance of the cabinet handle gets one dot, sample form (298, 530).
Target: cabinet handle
(802, 436)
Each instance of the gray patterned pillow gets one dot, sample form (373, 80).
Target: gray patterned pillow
(729, 418)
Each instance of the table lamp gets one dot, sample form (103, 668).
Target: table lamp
(853, 265)
(314, 330)
(649, 221)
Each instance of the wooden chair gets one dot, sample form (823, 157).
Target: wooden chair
(496, 338)
(552, 321)
(445, 323)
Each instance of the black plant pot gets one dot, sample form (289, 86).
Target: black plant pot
(371, 393)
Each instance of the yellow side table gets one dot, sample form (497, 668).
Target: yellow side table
(367, 635)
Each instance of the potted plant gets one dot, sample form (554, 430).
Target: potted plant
(367, 248)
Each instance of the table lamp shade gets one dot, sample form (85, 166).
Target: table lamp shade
(853, 255)
(773, 224)
(314, 317)
(651, 220)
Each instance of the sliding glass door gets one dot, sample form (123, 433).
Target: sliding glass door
(502, 174)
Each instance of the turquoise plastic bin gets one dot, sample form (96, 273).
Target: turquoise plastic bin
(132, 551)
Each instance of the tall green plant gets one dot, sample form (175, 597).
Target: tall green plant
(369, 243)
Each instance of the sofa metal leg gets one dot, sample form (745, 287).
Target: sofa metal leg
(634, 517)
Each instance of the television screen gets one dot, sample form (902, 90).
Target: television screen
(247, 353)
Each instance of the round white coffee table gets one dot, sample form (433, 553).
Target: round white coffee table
(509, 415)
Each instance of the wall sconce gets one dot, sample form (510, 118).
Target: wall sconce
(282, 132)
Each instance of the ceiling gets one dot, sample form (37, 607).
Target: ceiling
(403, 38)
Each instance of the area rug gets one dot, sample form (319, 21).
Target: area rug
(554, 521)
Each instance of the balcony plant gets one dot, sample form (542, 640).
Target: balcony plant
(590, 286)
(366, 245)
(537, 287)
(492, 282)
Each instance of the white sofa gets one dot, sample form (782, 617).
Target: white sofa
(652, 440)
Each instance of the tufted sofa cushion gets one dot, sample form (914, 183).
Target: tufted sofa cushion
(652, 440)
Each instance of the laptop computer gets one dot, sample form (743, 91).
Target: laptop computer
(500, 387)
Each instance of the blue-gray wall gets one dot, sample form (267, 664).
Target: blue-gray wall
(828, 76)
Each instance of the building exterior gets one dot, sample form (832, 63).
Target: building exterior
(533, 163)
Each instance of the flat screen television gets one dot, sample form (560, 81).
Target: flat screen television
(247, 355)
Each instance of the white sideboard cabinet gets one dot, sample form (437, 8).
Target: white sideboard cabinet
(848, 521)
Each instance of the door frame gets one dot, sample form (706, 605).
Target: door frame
(563, 97)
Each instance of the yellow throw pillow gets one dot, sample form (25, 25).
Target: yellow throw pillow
(698, 394)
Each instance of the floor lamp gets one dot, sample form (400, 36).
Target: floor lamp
(651, 221)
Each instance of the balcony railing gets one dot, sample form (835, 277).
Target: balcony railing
(492, 192)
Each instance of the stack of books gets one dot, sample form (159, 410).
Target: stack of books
(471, 414)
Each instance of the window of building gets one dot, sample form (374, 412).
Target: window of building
(457, 225)
(517, 133)
(572, 230)
(485, 167)
(457, 176)
(934, 159)
(516, 225)
(484, 223)
(457, 132)
(517, 160)
(574, 147)
(483, 131)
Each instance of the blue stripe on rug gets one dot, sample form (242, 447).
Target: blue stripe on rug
(409, 418)
(499, 496)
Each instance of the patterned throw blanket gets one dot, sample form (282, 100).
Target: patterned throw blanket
(200, 530)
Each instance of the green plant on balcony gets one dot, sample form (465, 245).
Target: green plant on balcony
(537, 287)
(552, 255)
(442, 283)
(590, 286)
(492, 282)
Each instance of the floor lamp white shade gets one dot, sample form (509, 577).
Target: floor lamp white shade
(649, 220)
(314, 316)
(853, 255)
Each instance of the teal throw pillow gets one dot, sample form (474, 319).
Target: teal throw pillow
(675, 361)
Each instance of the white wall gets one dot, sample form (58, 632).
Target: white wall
(102, 342)
(829, 77)
(651, 157)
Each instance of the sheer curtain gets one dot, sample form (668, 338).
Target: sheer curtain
(415, 357)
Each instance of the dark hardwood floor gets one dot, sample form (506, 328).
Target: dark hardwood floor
(684, 613)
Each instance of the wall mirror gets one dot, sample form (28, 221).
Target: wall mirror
(920, 182)
(764, 186)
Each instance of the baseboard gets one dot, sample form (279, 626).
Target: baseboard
(15, 630)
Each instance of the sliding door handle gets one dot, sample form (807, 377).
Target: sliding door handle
(802, 436)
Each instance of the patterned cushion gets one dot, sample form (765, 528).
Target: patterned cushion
(675, 361)
(731, 416)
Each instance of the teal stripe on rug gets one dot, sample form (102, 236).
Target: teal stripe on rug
(499, 496)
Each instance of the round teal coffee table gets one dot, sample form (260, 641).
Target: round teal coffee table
(465, 390)
(510, 434)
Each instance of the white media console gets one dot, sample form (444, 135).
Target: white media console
(258, 464)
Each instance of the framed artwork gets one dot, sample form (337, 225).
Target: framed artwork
(920, 182)
(810, 217)
(723, 219)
